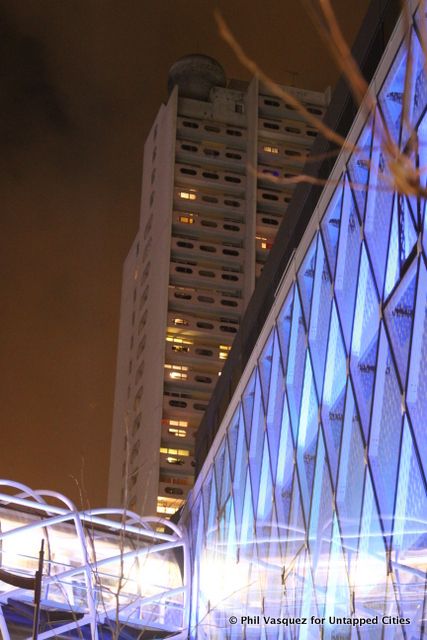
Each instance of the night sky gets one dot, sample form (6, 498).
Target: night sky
(81, 82)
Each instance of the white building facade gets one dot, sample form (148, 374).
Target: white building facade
(208, 220)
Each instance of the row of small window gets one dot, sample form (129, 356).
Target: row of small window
(198, 172)
(288, 127)
(205, 325)
(204, 273)
(183, 294)
(193, 195)
(278, 103)
(299, 154)
(207, 248)
(182, 372)
(210, 152)
(270, 196)
(215, 128)
(194, 218)
(182, 400)
(186, 345)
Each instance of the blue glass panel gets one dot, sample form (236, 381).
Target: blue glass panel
(391, 97)
(416, 396)
(334, 392)
(320, 314)
(296, 360)
(206, 495)
(248, 404)
(226, 477)
(402, 240)
(369, 572)
(219, 469)
(284, 324)
(264, 366)
(358, 168)
(239, 472)
(285, 469)
(338, 602)
(296, 532)
(306, 278)
(417, 90)
(399, 314)
(347, 264)
(275, 403)
(265, 491)
(351, 475)
(320, 528)
(232, 437)
(385, 432)
(257, 436)
(330, 226)
(307, 437)
(410, 532)
(365, 338)
(378, 209)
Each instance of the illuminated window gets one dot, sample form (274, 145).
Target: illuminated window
(180, 322)
(187, 195)
(268, 149)
(179, 433)
(178, 340)
(187, 219)
(175, 452)
(177, 371)
(223, 351)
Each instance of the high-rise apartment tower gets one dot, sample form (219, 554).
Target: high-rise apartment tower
(209, 215)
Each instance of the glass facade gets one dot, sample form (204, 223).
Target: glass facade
(311, 506)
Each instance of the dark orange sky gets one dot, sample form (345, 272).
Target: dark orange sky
(81, 81)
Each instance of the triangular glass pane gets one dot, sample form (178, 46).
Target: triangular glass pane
(385, 433)
(275, 403)
(365, 339)
(391, 96)
(306, 278)
(246, 530)
(347, 265)
(264, 366)
(239, 471)
(257, 436)
(265, 492)
(378, 209)
(232, 437)
(416, 395)
(206, 495)
(320, 528)
(338, 602)
(417, 90)
(219, 467)
(248, 403)
(403, 238)
(369, 572)
(285, 467)
(351, 476)
(320, 314)
(358, 167)
(399, 315)
(284, 324)
(330, 226)
(296, 533)
(410, 532)
(296, 361)
(334, 393)
(307, 437)
(226, 477)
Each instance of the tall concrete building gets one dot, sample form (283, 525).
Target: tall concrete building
(209, 215)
